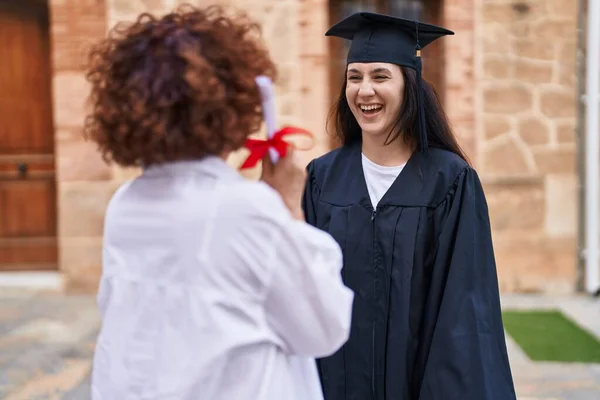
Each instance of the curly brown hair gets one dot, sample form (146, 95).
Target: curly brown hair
(177, 87)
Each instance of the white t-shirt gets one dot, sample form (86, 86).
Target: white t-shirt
(211, 290)
(379, 178)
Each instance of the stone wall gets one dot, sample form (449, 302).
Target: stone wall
(459, 56)
(509, 90)
(83, 179)
(526, 116)
(85, 182)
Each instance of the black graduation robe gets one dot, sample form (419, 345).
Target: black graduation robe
(426, 318)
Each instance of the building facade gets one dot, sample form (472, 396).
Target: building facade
(508, 79)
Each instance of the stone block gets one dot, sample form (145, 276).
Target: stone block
(530, 10)
(567, 76)
(287, 104)
(513, 12)
(88, 25)
(313, 21)
(566, 132)
(529, 262)
(533, 71)
(123, 9)
(284, 80)
(460, 101)
(505, 157)
(459, 10)
(288, 80)
(70, 93)
(314, 100)
(561, 205)
(495, 40)
(261, 11)
(566, 9)
(538, 49)
(459, 70)
(567, 64)
(567, 53)
(70, 53)
(516, 206)
(281, 32)
(520, 29)
(533, 131)
(507, 98)
(458, 98)
(558, 103)
(75, 26)
(87, 7)
(556, 29)
(495, 125)
(468, 141)
(560, 160)
(78, 17)
(497, 67)
(82, 207)
(127, 11)
(81, 264)
(79, 160)
(464, 130)
(502, 13)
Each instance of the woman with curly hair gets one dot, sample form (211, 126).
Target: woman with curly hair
(213, 286)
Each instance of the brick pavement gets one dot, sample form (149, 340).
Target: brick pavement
(46, 345)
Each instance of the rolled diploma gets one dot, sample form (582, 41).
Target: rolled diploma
(267, 94)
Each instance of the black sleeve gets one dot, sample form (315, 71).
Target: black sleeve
(310, 196)
(467, 357)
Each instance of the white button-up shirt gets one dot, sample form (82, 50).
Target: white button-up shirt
(211, 290)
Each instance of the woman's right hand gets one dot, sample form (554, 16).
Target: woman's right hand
(288, 179)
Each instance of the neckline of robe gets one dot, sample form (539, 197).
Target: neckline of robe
(424, 181)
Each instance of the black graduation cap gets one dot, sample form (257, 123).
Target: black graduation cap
(383, 38)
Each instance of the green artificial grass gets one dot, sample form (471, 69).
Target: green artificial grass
(550, 336)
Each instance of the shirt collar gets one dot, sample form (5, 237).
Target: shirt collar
(208, 165)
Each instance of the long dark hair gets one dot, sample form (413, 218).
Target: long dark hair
(439, 132)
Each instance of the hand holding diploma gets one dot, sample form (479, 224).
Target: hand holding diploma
(275, 144)
(280, 170)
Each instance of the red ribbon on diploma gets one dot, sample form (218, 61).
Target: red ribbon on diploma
(259, 147)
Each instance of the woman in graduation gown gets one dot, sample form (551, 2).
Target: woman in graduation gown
(410, 215)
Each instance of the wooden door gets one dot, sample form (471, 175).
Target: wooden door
(27, 179)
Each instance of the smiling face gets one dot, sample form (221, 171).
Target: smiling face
(374, 92)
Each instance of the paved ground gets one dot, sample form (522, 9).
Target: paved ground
(46, 344)
(555, 381)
